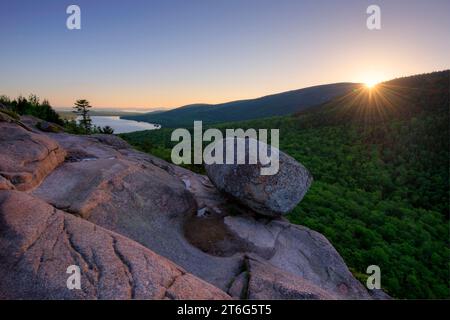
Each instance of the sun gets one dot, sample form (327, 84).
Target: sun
(371, 80)
(371, 83)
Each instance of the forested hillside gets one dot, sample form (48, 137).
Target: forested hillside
(380, 161)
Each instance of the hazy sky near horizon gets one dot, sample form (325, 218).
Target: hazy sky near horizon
(167, 53)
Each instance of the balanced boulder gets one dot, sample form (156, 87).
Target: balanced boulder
(270, 195)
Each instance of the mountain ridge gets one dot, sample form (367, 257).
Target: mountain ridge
(277, 104)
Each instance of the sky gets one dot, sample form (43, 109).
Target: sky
(167, 53)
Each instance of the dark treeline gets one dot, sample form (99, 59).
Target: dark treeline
(32, 106)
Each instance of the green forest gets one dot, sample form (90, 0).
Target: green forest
(380, 162)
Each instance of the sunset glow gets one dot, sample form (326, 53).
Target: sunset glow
(371, 83)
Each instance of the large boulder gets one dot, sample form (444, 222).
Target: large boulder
(39, 243)
(270, 195)
(27, 157)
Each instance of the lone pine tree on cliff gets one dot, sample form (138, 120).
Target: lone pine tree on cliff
(82, 109)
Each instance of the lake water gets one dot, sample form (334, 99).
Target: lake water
(121, 125)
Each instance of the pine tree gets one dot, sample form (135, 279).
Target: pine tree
(82, 109)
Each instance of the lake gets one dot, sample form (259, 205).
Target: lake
(121, 125)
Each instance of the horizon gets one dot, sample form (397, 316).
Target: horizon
(152, 109)
(164, 58)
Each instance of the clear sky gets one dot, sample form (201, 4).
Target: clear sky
(167, 53)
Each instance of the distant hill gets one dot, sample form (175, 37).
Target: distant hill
(279, 104)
